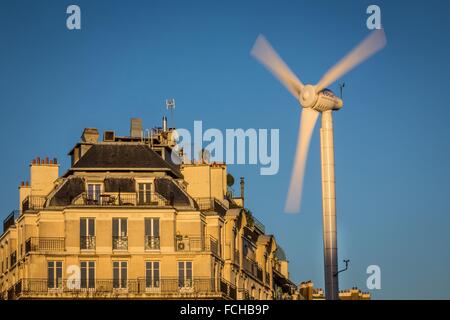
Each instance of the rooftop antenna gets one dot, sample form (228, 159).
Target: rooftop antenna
(170, 105)
(341, 87)
(345, 269)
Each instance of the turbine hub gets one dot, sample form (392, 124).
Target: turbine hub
(308, 96)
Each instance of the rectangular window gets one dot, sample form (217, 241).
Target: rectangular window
(184, 274)
(120, 274)
(120, 234)
(93, 193)
(152, 274)
(54, 274)
(152, 233)
(144, 193)
(87, 233)
(87, 274)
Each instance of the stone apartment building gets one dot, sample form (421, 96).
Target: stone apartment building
(125, 222)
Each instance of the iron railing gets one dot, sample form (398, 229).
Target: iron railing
(41, 244)
(259, 225)
(197, 244)
(253, 268)
(163, 287)
(33, 203)
(87, 242)
(10, 220)
(210, 204)
(122, 199)
(120, 242)
(151, 242)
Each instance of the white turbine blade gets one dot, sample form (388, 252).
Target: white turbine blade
(264, 52)
(369, 46)
(307, 123)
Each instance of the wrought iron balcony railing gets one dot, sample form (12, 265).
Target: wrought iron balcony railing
(210, 204)
(33, 203)
(120, 242)
(87, 243)
(42, 244)
(197, 244)
(107, 288)
(253, 268)
(10, 220)
(121, 199)
(151, 242)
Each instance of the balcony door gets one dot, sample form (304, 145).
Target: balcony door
(152, 275)
(120, 234)
(184, 274)
(93, 193)
(152, 234)
(87, 274)
(87, 233)
(54, 274)
(120, 274)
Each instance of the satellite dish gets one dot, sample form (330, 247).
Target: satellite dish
(230, 180)
(204, 156)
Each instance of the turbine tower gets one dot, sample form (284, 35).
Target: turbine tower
(315, 100)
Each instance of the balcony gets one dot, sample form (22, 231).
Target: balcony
(197, 244)
(40, 244)
(210, 204)
(259, 225)
(87, 243)
(123, 199)
(33, 203)
(228, 289)
(198, 287)
(120, 242)
(152, 243)
(253, 268)
(10, 220)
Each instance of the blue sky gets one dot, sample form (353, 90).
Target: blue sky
(392, 137)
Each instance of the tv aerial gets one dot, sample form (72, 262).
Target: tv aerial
(170, 105)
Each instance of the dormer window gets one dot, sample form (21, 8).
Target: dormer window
(93, 192)
(144, 193)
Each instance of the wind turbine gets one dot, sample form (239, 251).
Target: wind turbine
(315, 100)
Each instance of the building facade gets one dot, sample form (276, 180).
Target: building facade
(126, 222)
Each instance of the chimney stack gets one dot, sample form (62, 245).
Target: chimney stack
(136, 128)
(242, 183)
(90, 135)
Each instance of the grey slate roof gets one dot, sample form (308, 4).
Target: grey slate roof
(125, 156)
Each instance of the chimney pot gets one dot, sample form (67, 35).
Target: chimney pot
(55, 161)
(38, 160)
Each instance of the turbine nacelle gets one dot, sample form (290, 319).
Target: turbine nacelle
(322, 101)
